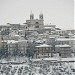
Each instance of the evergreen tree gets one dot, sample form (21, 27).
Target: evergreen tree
(4, 51)
(30, 50)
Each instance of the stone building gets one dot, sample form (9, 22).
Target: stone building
(16, 46)
(43, 50)
(63, 50)
(50, 28)
(35, 24)
(69, 41)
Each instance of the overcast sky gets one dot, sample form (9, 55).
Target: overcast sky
(58, 12)
(74, 14)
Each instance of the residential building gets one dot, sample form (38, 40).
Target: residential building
(63, 50)
(43, 50)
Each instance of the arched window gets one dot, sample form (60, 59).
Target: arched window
(37, 23)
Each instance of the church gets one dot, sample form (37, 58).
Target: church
(35, 24)
(38, 24)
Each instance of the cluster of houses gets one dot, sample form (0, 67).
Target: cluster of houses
(49, 40)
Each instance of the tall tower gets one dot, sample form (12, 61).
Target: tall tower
(31, 16)
(41, 16)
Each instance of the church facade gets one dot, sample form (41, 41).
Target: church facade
(35, 24)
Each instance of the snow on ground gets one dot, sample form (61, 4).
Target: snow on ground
(28, 68)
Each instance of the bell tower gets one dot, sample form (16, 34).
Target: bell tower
(31, 16)
(41, 16)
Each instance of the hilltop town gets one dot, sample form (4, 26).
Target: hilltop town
(37, 40)
(37, 44)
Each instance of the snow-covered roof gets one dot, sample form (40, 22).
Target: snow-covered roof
(20, 30)
(65, 39)
(10, 41)
(61, 30)
(67, 59)
(51, 59)
(73, 36)
(55, 59)
(22, 40)
(65, 45)
(44, 45)
(36, 59)
(54, 35)
(70, 34)
(49, 28)
(17, 35)
(13, 41)
(51, 37)
(5, 25)
(31, 28)
(15, 24)
(40, 34)
(12, 34)
(38, 41)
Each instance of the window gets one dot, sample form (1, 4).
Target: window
(37, 27)
(59, 54)
(37, 23)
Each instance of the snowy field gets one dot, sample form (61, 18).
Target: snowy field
(42, 66)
